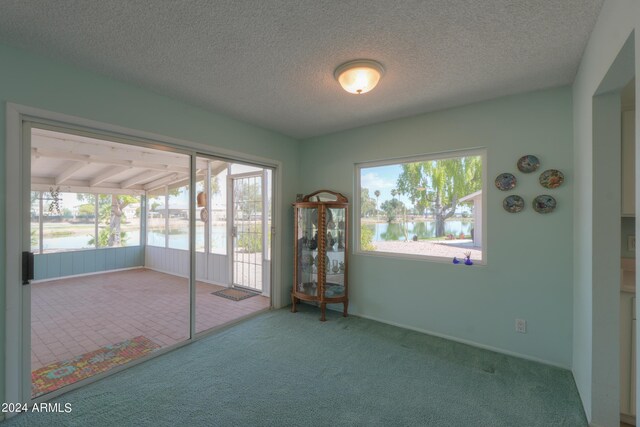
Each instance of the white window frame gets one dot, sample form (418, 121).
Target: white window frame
(482, 152)
(96, 221)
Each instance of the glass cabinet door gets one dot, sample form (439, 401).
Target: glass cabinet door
(335, 221)
(307, 236)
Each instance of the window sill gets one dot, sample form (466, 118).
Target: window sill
(427, 258)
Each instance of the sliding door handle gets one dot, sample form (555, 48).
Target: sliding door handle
(27, 267)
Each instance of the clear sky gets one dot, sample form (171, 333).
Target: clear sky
(383, 178)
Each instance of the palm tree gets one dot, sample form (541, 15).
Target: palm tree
(377, 194)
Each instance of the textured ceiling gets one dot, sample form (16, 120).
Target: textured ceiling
(271, 63)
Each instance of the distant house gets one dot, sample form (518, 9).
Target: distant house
(476, 199)
(130, 210)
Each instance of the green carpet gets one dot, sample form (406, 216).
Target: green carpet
(283, 369)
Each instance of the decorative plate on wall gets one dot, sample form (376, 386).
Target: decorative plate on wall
(551, 178)
(513, 204)
(544, 204)
(528, 163)
(505, 182)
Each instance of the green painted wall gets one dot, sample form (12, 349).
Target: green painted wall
(529, 270)
(593, 317)
(43, 83)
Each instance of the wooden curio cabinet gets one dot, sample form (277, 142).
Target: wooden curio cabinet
(320, 250)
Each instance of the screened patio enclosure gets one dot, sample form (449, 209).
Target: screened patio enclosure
(90, 194)
(111, 234)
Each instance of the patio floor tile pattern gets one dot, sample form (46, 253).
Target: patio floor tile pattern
(73, 316)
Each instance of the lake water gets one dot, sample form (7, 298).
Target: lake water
(176, 241)
(79, 241)
(381, 232)
(181, 240)
(424, 229)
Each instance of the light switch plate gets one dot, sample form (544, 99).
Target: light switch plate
(631, 243)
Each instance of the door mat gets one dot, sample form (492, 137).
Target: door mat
(234, 294)
(60, 374)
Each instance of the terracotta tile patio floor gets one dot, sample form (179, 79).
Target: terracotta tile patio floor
(73, 316)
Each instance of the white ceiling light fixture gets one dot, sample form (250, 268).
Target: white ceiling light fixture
(359, 76)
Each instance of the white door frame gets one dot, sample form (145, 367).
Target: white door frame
(16, 387)
(266, 290)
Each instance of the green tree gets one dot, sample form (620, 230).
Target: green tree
(248, 197)
(87, 210)
(103, 238)
(377, 194)
(251, 239)
(214, 186)
(367, 204)
(392, 209)
(110, 211)
(366, 238)
(439, 185)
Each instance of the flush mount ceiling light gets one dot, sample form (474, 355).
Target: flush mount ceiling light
(359, 76)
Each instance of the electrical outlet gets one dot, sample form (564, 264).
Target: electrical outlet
(631, 243)
(521, 326)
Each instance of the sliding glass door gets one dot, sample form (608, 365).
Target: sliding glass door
(108, 224)
(131, 248)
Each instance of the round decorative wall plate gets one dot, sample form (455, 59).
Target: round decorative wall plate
(528, 163)
(551, 178)
(544, 204)
(204, 215)
(513, 204)
(505, 182)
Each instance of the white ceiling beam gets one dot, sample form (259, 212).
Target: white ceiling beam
(162, 181)
(42, 180)
(68, 172)
(81, 187)
(109, 161)
(109, 151)
(217, 167)
(104, 176)
(142, 178)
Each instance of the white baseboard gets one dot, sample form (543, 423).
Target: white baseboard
(211, 282)
(464, 341)
(629, 419)
(86, 274)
